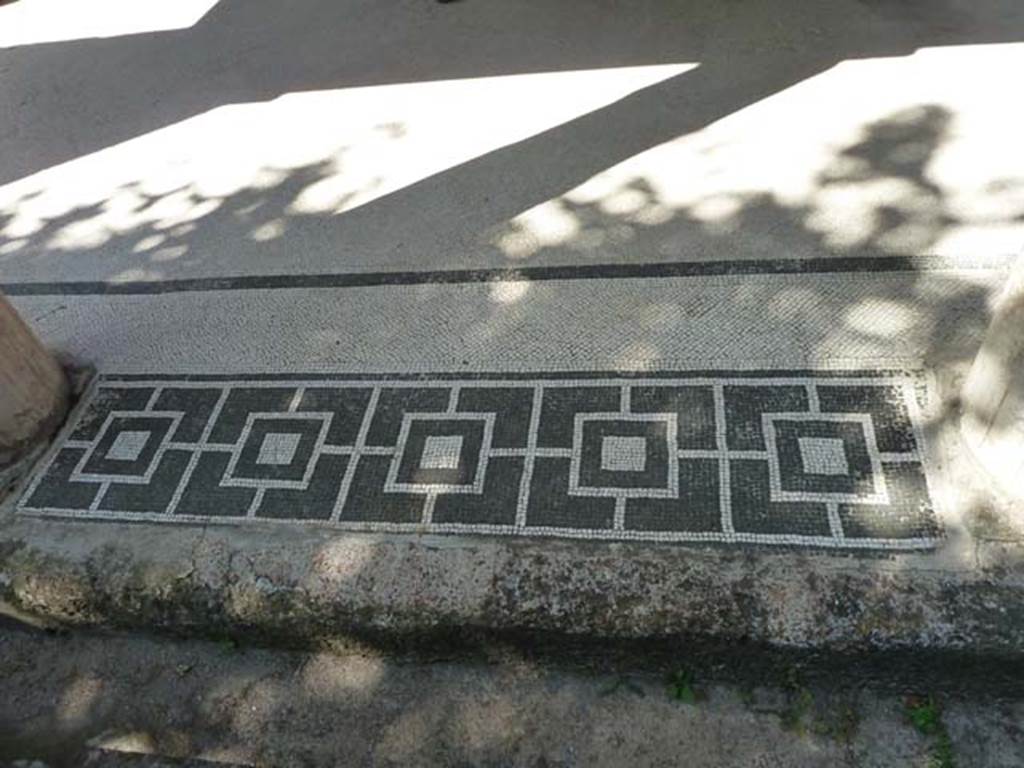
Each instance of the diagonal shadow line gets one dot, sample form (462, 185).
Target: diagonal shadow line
(545, 166)
(495, 187)
(81, 96)
(549, 164)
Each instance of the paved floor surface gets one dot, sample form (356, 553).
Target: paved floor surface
(668, 271)
(65, 695)
(253, 140)
(520, 190)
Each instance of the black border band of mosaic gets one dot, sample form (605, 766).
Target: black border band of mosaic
(829, 459)
(870, 264)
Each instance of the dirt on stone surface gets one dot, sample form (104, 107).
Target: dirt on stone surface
(120, 700)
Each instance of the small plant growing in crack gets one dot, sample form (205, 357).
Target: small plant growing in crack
(227, 644)
(925, 714)
(800, 702)
(681, 686)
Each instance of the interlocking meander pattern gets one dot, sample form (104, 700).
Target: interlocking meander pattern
(790, 458)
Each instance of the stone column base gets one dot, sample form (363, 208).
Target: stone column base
(993, 394)
(33, 390)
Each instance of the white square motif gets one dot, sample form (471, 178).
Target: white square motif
(128, 445)
(441, 452)
(624, 454)
(823, 456)
(278, 448)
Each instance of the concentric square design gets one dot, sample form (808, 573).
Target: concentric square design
(127, 448)
(819, 458)
(441, 454)
(823, 456)
(276, 450)
(279, 448)
(624, 456)
(797, 459)
(129, 445)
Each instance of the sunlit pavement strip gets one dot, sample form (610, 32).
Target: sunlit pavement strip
(784, 459)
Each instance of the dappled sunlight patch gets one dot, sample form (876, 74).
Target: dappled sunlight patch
(943, 314)
(343, 558)
(506, 292)
(336, 194)
(638, 355)
(881, 318)
(899, 214)
(961, 281)
(911, 237)
(305, 154)
(229, 755)
(403, 739)
(149, 242)
(43, 221)
(624, 202)
(327, 677)
(20, 218)
(177, 209)
(717, 209)
(981, 238)
(12, 246)
(170, 253)
(268, 177)
(887, 156)
(270, 230)
(486, 723)
(135, 275)
(546, 225)
(78, 699)
(262, 701)
(818, 169)
(118, 212)
(183, 229)
(580, 227)
(80, 234)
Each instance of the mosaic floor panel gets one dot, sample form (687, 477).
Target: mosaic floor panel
(797, 459)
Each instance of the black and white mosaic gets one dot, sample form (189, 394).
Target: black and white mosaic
(793, 459)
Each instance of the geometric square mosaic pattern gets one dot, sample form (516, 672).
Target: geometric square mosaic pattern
(794, 459)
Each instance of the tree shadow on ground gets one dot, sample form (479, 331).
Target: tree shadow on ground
(80, 96)
(68, 693)
(246, 51)
(930, 319)
(947, 311)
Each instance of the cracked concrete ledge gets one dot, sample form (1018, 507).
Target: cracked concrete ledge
(309, 587)
(956, 612)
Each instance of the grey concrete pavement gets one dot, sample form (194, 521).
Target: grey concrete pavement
(139, 702)
(365, 137)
